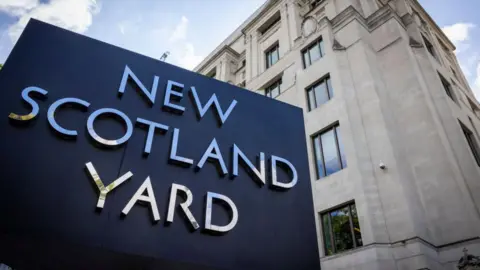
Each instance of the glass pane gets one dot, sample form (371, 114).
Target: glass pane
(314, 53)
(306, 59)
(276, 91)
(330, 88)
(321, 93)
(322, 49)
(330, 155)
(356, 226)
(327, 237)
(341, 229)
(343, 158)
(311, 99)
(269, 59)
(274, 55)
(318, 157)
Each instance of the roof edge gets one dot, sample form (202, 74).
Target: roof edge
(234, 35)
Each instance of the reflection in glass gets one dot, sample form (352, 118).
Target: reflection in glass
(306, 59)
(330, 88)
(327, 237)
(322, 49)
(341, 229)
(356, 226)
(319, 157)
(315, 53)
(311, 100)
(343, 158)
(330, 154)
(274, 57)
(321, 93)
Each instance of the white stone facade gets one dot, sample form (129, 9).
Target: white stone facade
(423, 208)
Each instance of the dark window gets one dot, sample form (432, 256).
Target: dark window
(269, 23)
(341, 229)
(273, 90)
(319, 93)
(472, 142)
(244, 62)
(454, 73)
(212, 73)
(314, 52)
(329, 152)
(448, 87)
(315, 3)
(430, 47)
(474, 107)
(272, 56)
(242, 84)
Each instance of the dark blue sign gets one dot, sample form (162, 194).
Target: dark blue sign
(113, 160)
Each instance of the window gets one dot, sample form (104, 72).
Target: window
(474, 107)
(212, 73)
(448, 87)
(269, 23)
(329, 153)
(472, 143)
(314, 52)
(341, 229)
(429, 47)
(242, 84)
(454, 73)
(273, 90)
(315, 3)
(272, 56)
(319, 93)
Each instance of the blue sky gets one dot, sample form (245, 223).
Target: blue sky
(190, 29)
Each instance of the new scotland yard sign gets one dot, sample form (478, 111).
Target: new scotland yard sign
(113, 160)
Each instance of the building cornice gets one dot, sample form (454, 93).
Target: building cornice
(268, 5)
(420, 9)
(223, 50)
(235, 35)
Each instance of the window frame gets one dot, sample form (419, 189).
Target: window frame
(268, 90)
(316, 43)
(325, 79)
(332, 127)
(471, 141)
(330, 227)
(429, 46)
(447, 87)
(269, 52)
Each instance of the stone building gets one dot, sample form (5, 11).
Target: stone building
(392, 126)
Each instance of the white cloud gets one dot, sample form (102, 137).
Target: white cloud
(75, 15)
(468, 57)
(187, 58)
(182, 51)
(180, 32)
(121, 27)
(17, 7)
(459, 34)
